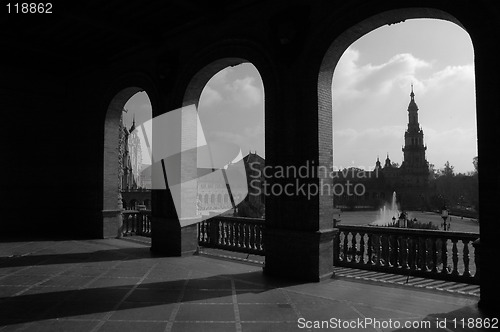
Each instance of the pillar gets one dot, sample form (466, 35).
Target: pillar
(299, 223)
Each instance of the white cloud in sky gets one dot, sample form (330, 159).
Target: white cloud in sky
(361, 80)
(244, 92)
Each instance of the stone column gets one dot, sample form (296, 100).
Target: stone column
(299, 224)
(488, 118)
(174, 229)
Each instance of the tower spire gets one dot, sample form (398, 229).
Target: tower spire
(412, 95)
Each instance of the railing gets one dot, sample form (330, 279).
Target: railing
(234, 234)
(423, 253)
(136, 223)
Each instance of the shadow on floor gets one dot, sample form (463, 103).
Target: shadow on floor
(73, 258)
(98, 301)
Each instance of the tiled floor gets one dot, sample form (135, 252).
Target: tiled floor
(116, 285)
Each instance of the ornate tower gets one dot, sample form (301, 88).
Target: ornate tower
(135, 153)
(415, 168)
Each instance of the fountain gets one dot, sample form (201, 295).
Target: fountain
(387, 213)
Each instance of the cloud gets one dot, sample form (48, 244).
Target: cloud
(244, 92)
(448, 76)
(352, 80)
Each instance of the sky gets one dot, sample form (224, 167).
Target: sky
(371, 87)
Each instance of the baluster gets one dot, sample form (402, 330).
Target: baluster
(466, 258)
(394, 251)
(226, 233)
(257, 237)
(423, 253)
(362, 248)
(476, 244)
(378, 249)
(252, 237)
(205, 231)
(245, 236)
(401, 252)
(455, 257)
(406, 253)
(344, 254)
(137, 223)
(262, 242)
(148, 223)
(353, 247)
(125, 222)
(199, 233)
(131, 222)
(230, 233)
(434, 255)
(370, 247)
(385, 250)
(236, 234)
(444, 255)
(412, 248)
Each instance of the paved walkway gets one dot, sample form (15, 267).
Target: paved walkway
(115, 285)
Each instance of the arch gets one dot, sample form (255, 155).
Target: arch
(212, 60)
(120, 91)
(340, 43)
(112, 198)
(227, 53)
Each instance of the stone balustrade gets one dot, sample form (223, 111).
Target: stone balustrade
(434, 254)
(423, 253)
(233, 234)
(137, 222)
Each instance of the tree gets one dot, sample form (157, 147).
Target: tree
(432, 172)
(475, 162)
(448, 170)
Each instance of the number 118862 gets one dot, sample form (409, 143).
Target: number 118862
(29, 8)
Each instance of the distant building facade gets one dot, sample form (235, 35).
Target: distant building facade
(213, 193)
(410, 181)
(135, 177)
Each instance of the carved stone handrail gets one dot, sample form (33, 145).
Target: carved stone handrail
(233, 233)
(423, 253)
(137, 222)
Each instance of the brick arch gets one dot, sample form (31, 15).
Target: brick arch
(210, 60)
(196, 73)
(341, 42)
(120, 91)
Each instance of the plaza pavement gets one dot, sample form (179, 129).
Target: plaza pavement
(117, 285)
